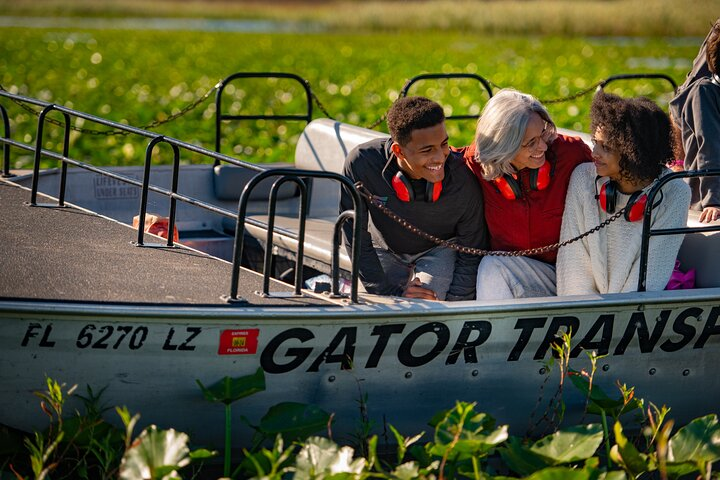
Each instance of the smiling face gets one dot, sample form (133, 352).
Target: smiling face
(534, 144)
(425, 154)
(607, 161)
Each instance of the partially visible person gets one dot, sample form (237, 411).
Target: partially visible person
(632, 143)
(699, 70)
(696, 109)
(421, 180)
(524, 168)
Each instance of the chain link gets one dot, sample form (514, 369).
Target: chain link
(325, 112)
(575, 95)
(198, 101)
(377, 203)
(151, 125)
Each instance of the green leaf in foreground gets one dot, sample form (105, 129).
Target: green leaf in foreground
(520, 459)
(570, 444)
(228, 390)
(294, 420)
(697, 442)
(626, 455)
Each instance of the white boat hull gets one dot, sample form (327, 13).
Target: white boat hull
(411, 359)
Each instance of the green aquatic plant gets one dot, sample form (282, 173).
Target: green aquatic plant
(227, 391)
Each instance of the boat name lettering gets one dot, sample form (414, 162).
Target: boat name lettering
(298, 347)
(103, 337)
(600, 334)
(341, 349)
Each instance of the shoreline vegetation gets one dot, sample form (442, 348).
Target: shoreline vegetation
(356, 63)
(492, 17)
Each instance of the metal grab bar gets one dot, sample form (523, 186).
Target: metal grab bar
(633, 76)
(434, 76)
(649, 232)
(271, 226)
(286, 172)
(219, 116)
(145, 187)
(6, 148)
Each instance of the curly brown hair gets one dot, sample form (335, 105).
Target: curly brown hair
(638, 130)
(412, 113)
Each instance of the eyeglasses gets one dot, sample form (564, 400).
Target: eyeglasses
(547, 135)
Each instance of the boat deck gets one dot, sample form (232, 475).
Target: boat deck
(69, 254)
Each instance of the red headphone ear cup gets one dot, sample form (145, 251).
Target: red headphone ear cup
(602, 197)
(508, 187)
(403, 188)
(540, 177)
(635, 207)
(607, 196)
(432, 191)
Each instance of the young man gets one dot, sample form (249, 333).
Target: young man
(419, 179)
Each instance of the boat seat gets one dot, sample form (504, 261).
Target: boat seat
(323, 146)
(697, 251)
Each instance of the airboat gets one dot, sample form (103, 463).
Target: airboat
(87, 299)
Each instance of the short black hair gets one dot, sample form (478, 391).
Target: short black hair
(638, 130)
(412, 113)
(713, 46)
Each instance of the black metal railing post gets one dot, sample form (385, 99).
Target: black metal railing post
(347, 215)
(38, 154)
(146, 187)
(6, 147)
(272, 207)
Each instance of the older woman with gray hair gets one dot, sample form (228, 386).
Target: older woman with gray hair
(524, 168)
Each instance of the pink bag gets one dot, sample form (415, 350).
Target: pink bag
(681, 280)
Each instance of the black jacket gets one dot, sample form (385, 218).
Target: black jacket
(458, 214)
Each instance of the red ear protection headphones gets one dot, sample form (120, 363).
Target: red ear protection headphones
(405, 192)
(607, 198)
(509, 186)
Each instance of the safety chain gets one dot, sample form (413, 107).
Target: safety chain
(198, 101)
(324, 110)
(151, 125)
(575, 95)
(318, 102)
(377, 202)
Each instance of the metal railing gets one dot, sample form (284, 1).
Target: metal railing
(298, 177)
(648, 231)
(177, 146)
(636, 76)
(449, 76)
(220, 117)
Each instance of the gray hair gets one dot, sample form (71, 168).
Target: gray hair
(501, 129)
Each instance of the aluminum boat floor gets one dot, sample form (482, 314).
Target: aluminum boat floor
(69, 254)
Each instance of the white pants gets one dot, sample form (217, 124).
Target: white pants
(502, 278)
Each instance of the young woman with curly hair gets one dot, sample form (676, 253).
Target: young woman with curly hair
(632, 143)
